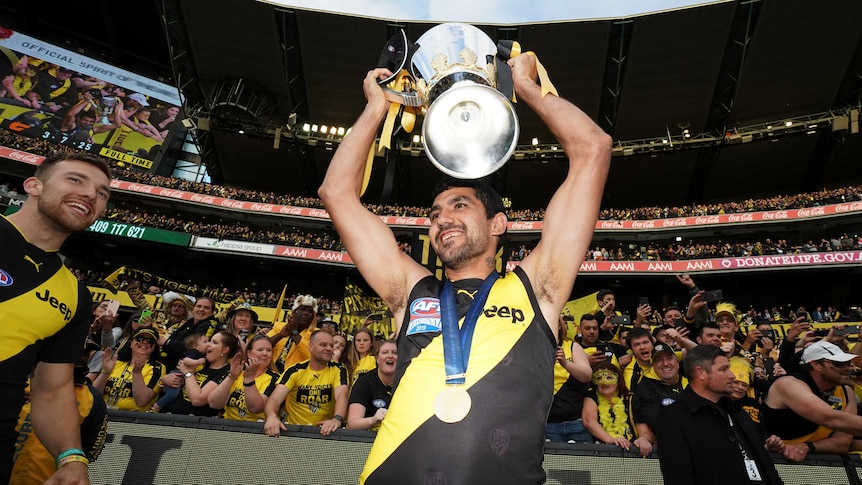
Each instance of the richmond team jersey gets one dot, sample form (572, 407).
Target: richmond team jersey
(365, 364)
(44, 316)
(793, 428)
(312, 393)
(236, 407)
(510, 379)
(118, 388)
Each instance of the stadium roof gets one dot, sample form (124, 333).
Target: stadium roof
(724, 71)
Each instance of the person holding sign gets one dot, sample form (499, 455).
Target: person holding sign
(471, 403)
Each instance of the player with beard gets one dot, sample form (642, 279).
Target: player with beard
(45, 310)
(372, 392)
(514, 329)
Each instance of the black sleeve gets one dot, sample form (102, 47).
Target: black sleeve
(645, 406)
(94, 429)
(788, 357)
(361, 392)
(674, 452)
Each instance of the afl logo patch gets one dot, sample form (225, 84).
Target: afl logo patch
(667, 401)
(424, 316)
(378, 403)
(5, 278)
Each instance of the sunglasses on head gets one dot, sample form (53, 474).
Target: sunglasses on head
(145, 340)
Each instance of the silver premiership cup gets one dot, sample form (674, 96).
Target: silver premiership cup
(470, 128)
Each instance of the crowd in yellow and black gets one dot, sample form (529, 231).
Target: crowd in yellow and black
(617, 376)
(781, 202)
(612, 380)
(187, 357)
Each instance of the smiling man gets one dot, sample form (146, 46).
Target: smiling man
(45, 310)
(314, 392)
(471, 413)
(814, 411)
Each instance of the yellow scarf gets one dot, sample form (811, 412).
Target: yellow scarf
(613, 417)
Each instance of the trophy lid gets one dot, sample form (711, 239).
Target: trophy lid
(453, 47)
(470, 130)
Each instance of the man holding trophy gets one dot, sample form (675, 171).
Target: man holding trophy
(471, 399)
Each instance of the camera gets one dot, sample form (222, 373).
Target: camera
(568, 318)
(376, 317)
(95, 93)
(621, 320)
(770, 334)
(712, 295)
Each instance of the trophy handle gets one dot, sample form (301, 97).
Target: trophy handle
(405, 98)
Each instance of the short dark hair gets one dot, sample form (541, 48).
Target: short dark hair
(484, 192)
(587, 316)
(603, 293)
(44, 169)
(636, 333)
(702, 355)
(671, 307)
(699, 331)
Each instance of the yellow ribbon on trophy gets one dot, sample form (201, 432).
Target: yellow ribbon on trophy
(402, 82)
(544, 80)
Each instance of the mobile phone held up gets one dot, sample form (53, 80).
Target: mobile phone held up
(712, 295)
(144, 314)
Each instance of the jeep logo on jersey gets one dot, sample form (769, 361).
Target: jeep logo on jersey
(66, 311)
(515, 314)
(424, 316)
(5, 278)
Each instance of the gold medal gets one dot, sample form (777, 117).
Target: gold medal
(452, 404)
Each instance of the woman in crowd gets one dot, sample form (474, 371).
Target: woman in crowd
(251, 379)
(339, 350)
(361, 357)
(606, 413)
(132, 384)
(370, 397)
(240, 322)
(201, 383)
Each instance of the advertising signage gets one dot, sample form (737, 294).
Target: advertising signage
(69, 99)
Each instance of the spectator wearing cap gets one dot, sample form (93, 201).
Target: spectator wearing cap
(240, 322)
(290, 340)
(53, 89)
(814, 410)
(705, 437)
(659, 388)
(744, 393)
(328, 325)
(727, 319)
(132, 385)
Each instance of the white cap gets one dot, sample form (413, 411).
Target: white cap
(825, 350)
(139, 98)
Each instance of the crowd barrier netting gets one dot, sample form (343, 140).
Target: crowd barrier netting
(145, 448)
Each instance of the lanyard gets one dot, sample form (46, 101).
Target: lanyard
(457, 342)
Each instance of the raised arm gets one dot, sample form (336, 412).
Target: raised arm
(371, 244)
(573, 210)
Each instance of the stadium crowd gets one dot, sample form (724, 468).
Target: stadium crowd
(806, 199)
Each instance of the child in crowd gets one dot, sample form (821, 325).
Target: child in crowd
(196, 348)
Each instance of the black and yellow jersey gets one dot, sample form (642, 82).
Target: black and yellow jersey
(510, 380)
(236, 408)
(311, 396)
(118, 388)
(44, 317)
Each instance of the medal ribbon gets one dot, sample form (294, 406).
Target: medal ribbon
(457, 342)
